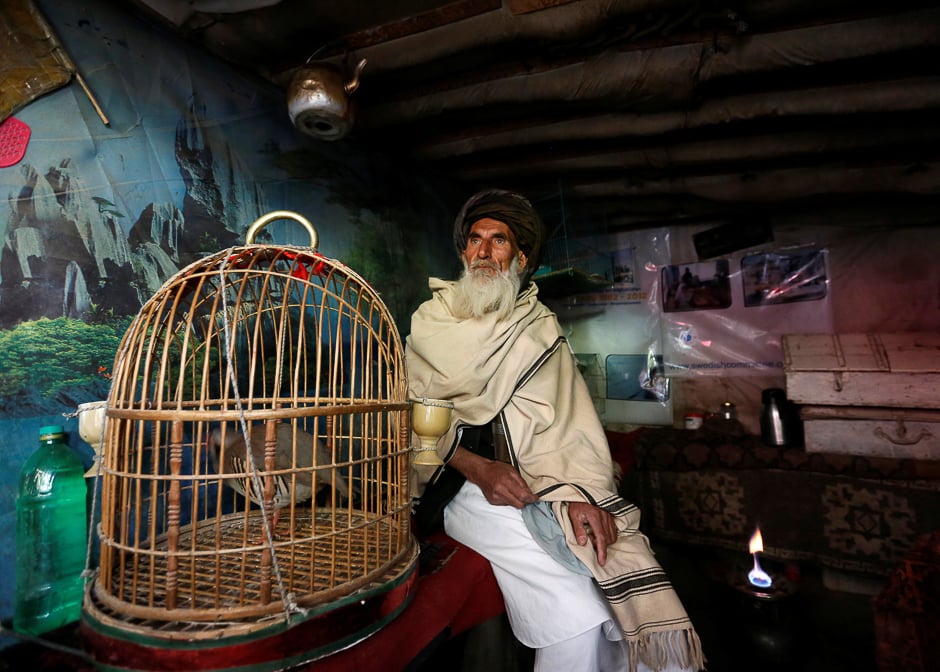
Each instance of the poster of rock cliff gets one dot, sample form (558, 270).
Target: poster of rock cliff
(98, 216)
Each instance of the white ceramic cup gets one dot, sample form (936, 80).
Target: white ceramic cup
(91, 420)
(430, 419)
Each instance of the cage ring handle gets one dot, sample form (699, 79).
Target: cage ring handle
(264, 220)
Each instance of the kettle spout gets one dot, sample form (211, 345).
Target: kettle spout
(353, 83)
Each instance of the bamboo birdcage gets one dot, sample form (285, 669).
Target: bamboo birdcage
(281, 338)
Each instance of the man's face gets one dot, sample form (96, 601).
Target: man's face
(491, 247)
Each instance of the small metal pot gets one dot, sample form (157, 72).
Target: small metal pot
(319, 100)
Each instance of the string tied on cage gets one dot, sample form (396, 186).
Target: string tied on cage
(290, 605)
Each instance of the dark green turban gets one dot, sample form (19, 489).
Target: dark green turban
(514, 211)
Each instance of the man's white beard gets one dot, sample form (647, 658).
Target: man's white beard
(478, 293)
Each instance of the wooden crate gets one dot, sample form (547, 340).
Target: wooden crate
(899, 370)
(880, 432)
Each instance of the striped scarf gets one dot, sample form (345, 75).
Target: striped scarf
(521, 371)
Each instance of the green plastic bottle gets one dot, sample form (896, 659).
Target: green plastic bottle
(50, 536)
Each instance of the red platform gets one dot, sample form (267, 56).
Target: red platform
(456, 591)
(452, 590)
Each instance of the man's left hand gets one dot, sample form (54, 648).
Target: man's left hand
(591, 522)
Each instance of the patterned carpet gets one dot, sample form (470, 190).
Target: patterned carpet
(844, 512)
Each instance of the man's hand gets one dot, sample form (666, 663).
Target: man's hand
(591, 522)
(500, 482)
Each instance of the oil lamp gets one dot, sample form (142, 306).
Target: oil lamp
(757, 577)
(770, 622)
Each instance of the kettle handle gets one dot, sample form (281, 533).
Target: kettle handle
(353, 83)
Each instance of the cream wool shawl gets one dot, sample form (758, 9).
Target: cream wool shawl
(521, 370)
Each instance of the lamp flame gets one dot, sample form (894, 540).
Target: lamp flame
(757, 543)
(757, 576)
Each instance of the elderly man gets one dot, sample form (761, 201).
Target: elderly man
(528, 480)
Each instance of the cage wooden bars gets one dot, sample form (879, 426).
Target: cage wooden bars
(256, 449)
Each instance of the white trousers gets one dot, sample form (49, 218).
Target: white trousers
(597, 650)
(591, 651)
(562, 615)
(551, 609)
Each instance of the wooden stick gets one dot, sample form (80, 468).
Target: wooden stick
(91, 98)
(69, 65)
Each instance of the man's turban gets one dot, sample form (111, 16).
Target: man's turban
(514, 211)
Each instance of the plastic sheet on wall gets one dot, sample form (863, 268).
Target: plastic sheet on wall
(621, 326)
(725, 317)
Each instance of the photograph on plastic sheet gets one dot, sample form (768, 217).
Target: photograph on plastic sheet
(637, 378)
(624, 267)
(784, 278)
(698, 286)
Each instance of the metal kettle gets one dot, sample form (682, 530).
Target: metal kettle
(775, 422)
(319, 100)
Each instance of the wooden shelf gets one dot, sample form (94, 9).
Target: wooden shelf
(567, 281)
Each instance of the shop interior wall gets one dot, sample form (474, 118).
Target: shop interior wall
(99, 216)
(881, 277)
(194, 153)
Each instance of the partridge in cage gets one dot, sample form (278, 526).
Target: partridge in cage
(295, 452)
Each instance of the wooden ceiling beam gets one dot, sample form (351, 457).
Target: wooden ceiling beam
(666, 78)
(913, 95)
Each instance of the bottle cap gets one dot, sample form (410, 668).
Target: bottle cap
(49, 430)
(694, 420)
